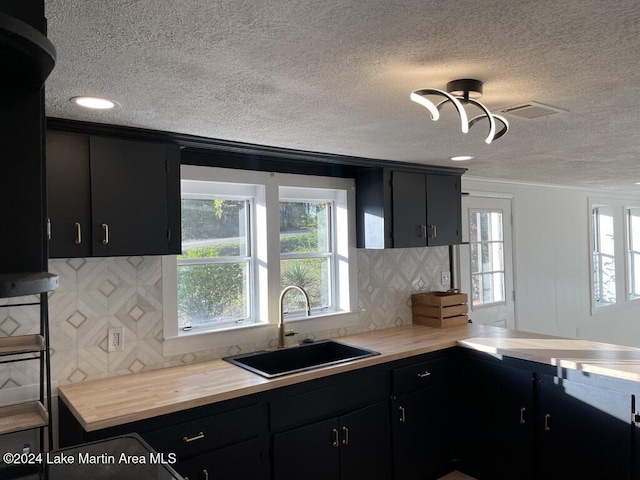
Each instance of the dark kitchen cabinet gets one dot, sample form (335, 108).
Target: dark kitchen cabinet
(241, 461)
(402, 208)
(223, 441)
(584, 431)
(422, 411)
(112, 197)
(498, 405)
(350, 447)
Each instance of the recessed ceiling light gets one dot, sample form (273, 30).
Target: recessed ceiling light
(462, 158)
(96, 103)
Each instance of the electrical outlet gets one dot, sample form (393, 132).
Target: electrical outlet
(445, 279)
(115, 339)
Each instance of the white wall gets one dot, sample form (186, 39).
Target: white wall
(552, 263)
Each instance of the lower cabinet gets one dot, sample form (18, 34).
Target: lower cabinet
(228, 445)
(498, 421)
(354, 446)
(584, 431)
(421, 420)
(530, 424)
(242, 461)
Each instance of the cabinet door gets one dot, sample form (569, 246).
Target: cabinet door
(498, 426)
(443, 210)
(69, 195)
(241, 461)
(409, 209)
(421, 434)
(365, 444)
(310, 452)
(584, 431)
(128, 197)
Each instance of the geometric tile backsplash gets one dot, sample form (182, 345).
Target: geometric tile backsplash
(95, 294)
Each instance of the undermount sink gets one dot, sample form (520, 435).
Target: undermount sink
(307, 356)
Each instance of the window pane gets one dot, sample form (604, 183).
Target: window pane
(310, 274)
(633, 247)
(304, 227)
(487, 288)
(604, 268)
(214, 228)
(474, 226)
(487, 257)
(212, 293)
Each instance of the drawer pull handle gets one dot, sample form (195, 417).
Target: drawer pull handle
(522, 410)
(105, 240)
(427, 373)
(336, 438)
(200, 436)
(547, 427)
(205, 474)
(78, 234)
(345, 440)
(403, 418)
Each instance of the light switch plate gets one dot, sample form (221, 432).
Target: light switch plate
(446, 279)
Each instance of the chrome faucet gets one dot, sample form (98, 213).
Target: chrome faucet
(282, 333)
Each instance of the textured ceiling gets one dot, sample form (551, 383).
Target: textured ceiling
(334, 76)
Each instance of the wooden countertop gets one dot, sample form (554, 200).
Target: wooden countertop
(114, 401)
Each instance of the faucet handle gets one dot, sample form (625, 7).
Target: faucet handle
(290, 333)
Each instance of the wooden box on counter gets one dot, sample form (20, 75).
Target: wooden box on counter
(439, 309)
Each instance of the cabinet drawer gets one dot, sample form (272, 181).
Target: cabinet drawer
(343, 395)
(196, 436)
(420, 375)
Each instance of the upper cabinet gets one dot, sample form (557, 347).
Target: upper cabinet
(112, 197)
(398, 208)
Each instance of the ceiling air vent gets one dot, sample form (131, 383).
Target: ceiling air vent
(531, 110)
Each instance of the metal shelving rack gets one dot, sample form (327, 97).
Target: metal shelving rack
(34, 347)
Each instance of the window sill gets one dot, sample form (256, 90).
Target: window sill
(615, 307)
(259, 334)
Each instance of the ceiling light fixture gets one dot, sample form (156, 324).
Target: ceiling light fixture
(462, 158)
(96, 103)
(462, 92)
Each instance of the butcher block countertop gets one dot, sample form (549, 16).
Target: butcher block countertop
(117, 400)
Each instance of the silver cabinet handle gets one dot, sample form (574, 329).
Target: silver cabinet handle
(427, 373)
(522, 410)
(547, 427)
(200, 436)
(78, 234)
(205, 474)
(434, 231)
(345, 440)
(336, 438)
(403, 418)
(105, 240)
(423, 231)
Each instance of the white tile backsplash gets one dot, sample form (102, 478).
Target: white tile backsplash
(98, 293)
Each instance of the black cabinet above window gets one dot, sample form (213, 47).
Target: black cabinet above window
(398, 208)
(112, 197)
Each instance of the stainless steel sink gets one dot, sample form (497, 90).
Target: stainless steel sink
(307, 356)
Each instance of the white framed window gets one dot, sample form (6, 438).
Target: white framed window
(615, 253)
(604, 255)
(216, 250)
(246, 235)
(486, 245)
(633, 252)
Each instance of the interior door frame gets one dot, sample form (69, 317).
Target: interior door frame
(465, 239)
